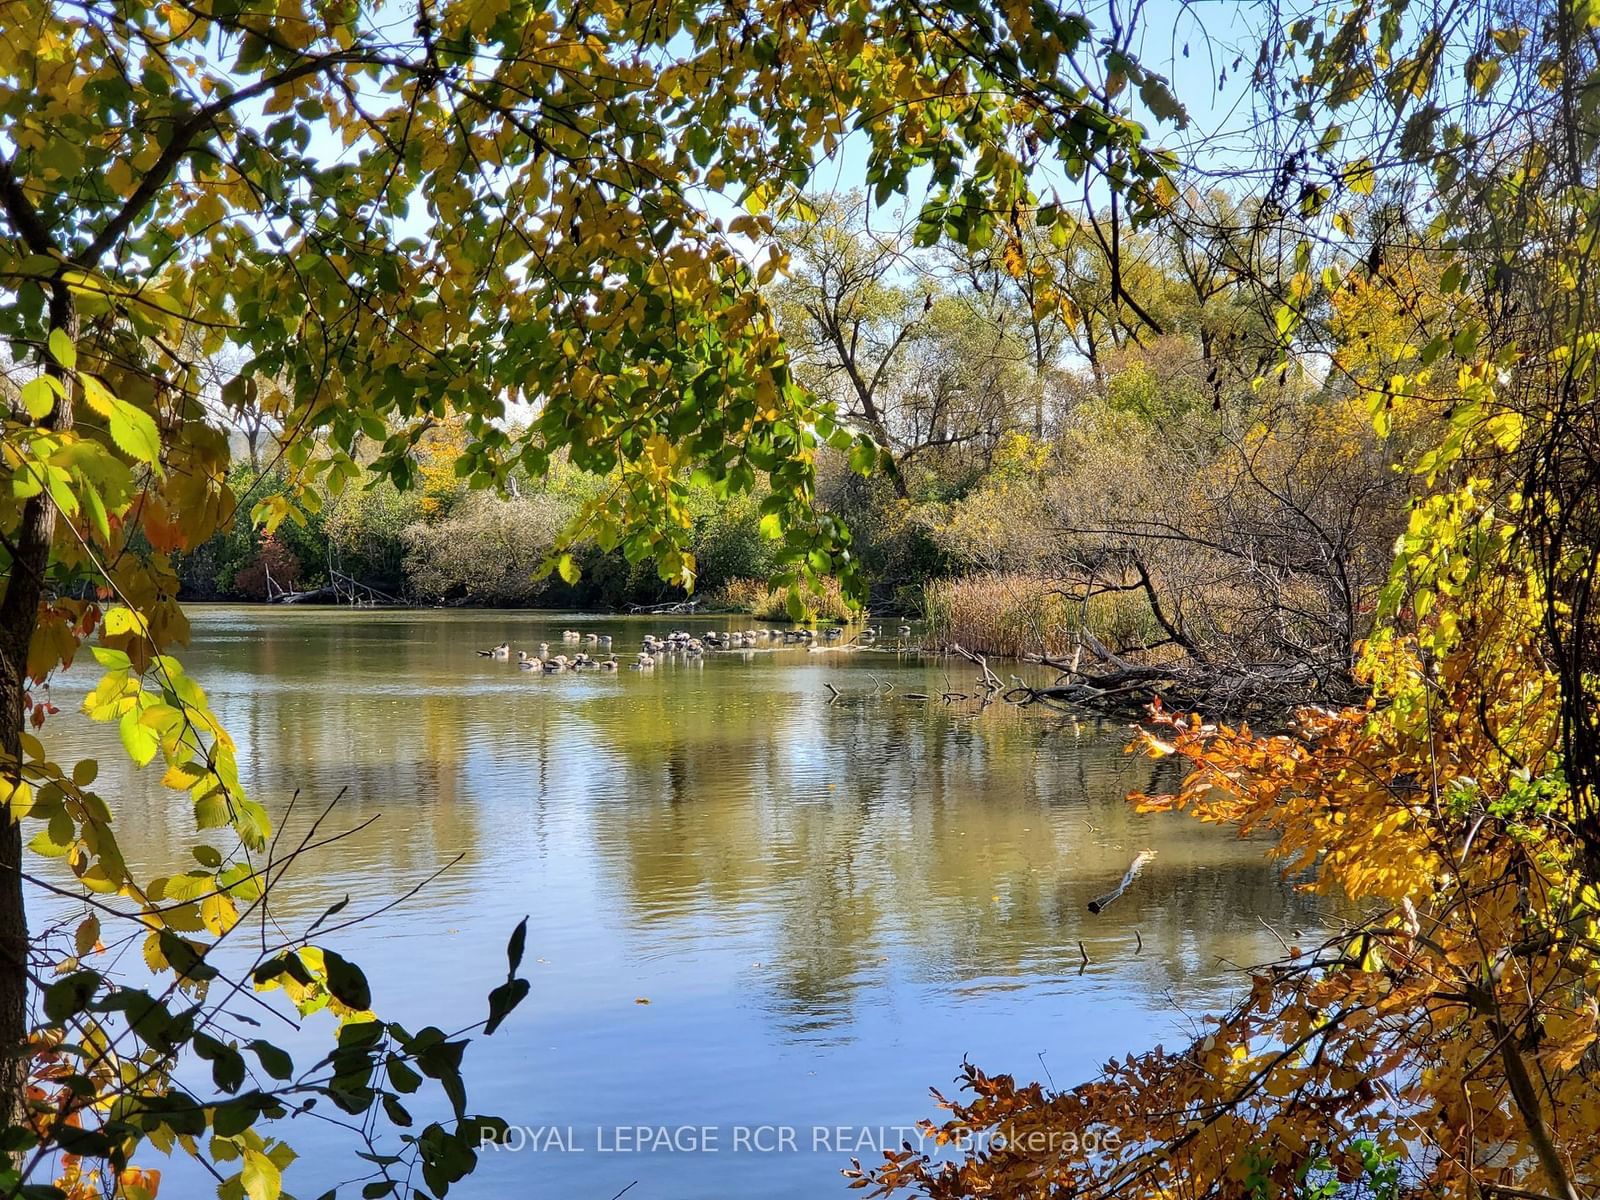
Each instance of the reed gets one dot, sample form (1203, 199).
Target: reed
(759, 599)
(1012, 615)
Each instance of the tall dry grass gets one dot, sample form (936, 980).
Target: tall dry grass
(1014, 614)
(759, 599)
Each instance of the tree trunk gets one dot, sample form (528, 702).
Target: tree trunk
(19, 614)
(13, 915)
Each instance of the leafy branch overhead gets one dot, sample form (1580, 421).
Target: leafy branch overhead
(545, 227)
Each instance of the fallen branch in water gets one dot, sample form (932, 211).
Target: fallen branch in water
(668, 609)
(990, 682)
(1101, 903)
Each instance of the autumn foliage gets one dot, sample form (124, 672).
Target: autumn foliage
(1445, 1036)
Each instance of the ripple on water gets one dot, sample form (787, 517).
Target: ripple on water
(825, 903)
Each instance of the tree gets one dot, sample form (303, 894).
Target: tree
(1441, 1041)
(851, 317)
(392, 229)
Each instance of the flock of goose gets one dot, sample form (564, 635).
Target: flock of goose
(677, 642)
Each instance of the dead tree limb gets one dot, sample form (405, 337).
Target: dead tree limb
(1101, 903)
(991, 682)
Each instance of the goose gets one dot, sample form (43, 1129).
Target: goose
(558, 663)
(531, 664)
(605, 641)
(570, 635)
(592, 639)
(833, 633)
(645, 663)
(544, 649)
(609, 664)
(905, 631)
(503, 650)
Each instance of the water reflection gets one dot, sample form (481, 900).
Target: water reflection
(827, 903)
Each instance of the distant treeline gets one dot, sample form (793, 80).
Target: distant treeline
(1048, 469)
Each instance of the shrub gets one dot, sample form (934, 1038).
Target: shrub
(274, 559)
(485, 551)
(366, 531)
(728, 543)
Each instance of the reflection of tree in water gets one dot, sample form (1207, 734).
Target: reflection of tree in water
(319, 715)
(839, 841)
(967, 844)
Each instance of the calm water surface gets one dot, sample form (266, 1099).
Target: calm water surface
(826, 903)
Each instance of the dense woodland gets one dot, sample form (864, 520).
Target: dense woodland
(541, 303)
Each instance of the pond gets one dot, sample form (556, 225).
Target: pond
(762, 916)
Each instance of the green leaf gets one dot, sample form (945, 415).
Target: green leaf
(346, 982)
(567, 568)
(112, 660)
(62, 349)
(502, 1000)
(517, 945)
(132, 429)
(138, 740)
(401, 1077)
(70, 995)
(227, 1064)
(97, 511)
(184, 958)
(235, 1117)
(38, 397)
(274, 1061)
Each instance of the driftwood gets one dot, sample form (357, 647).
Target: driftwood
(1101, 903)
(990, 684)
(667, 609)
(1185, 684)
